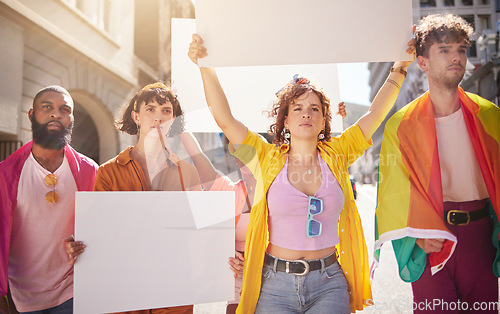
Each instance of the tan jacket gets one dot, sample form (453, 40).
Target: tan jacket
(123, 173)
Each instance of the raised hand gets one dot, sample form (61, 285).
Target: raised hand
(342, 111)
(411, 50)
(196, 49)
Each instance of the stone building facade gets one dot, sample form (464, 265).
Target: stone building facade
(101, 51)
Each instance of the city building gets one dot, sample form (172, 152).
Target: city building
(101, 51)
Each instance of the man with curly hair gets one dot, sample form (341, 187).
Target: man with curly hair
(439, 197)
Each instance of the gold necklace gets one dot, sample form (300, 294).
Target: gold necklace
(42, 162)
(39, 161)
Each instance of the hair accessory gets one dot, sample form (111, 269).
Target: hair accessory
(300, 80)
(296, 80)
(399, 70)
(154, 85)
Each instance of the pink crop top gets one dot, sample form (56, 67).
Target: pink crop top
(288, 209)
(241, 232)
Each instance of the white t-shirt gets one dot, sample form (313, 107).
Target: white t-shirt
(460, 173)
(39, 274)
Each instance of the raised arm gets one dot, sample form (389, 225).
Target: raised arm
(234, 130)
(205, 168)
(386, 96)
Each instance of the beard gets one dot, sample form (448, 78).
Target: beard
(449, 81)
(48, 139)
(452, 82)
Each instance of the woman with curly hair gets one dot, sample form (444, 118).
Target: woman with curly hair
(305, 249)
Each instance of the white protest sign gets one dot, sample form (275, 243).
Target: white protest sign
(249, 90)
(145, 250)
(263, 32)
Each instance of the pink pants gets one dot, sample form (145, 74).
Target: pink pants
(466, 284)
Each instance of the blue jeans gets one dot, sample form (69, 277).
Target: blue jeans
(64, 308)
(320, 291)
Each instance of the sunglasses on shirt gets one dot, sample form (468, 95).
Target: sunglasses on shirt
(51, 181)
(315, 206)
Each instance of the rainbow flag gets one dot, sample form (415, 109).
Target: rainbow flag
(410, 197)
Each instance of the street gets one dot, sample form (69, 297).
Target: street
(390, 293)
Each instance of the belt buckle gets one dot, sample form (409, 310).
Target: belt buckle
(451, 217)
(306, 267)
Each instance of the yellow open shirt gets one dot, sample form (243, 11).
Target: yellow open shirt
(266, 161)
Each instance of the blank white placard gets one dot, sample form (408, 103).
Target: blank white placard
(263, 32)
(144, 250)
(249, 90)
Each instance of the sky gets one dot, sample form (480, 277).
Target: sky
(353, 83)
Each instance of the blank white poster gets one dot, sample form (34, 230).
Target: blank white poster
(249, 90)
(152, 249)
(263, 32)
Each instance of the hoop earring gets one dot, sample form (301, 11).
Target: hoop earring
(321, 136)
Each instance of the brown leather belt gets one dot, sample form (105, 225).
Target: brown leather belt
(299, 267)
(462, 218)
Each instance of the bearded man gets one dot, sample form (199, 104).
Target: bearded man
(37, 209)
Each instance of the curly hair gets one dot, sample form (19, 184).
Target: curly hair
(286, 97)
(158, 92)
(438, 28)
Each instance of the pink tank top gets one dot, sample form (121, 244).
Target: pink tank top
(288, 210)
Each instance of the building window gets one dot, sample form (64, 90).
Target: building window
(484, 23)
(86, 9)
(469, 19)
(472, 50)
(467, 2)
(449, 3)
(97, 12)
(484, 2)
(105, 15)
(427, 3)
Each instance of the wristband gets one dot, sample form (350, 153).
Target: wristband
(399, 70)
